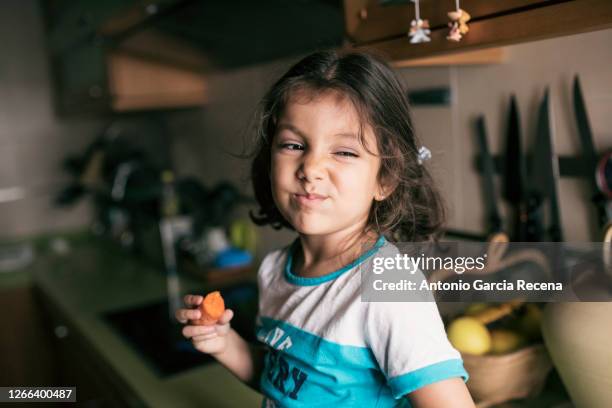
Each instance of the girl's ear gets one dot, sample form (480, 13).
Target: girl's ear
(384, 190)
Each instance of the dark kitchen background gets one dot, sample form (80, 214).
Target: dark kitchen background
(120, 127)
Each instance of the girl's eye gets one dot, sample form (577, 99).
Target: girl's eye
(346, 154)
(291, 146)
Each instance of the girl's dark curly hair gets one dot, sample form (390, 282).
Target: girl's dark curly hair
(414, 211)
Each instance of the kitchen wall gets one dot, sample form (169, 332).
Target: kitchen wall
(529, 68)
(202, 140)
(33, 141)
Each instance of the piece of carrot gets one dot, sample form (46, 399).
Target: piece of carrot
(211, 308)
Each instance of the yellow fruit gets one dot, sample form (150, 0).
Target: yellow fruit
(243, 235)
(474, 308)
(505, 341)
(470, 336)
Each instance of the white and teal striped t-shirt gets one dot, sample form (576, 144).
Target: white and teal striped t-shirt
(327, 348)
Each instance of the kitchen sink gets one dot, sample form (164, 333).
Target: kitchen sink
(158, 339)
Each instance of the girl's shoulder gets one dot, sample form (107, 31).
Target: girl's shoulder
(274, 260)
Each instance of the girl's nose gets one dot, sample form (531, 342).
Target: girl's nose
(312, 167)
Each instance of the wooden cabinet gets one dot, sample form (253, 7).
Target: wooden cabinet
(24, 345)
(96, 79)
(78, 365)
(140, 83)
(372, 24)
(104, 58)
(40, 347)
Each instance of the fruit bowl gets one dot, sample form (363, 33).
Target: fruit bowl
(502, 351)
(498, 378)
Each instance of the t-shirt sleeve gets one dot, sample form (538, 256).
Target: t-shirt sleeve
(409, 343)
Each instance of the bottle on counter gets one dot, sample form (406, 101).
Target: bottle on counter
(169, 210)
(170, 200)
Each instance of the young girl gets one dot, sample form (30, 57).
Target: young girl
(337, 161)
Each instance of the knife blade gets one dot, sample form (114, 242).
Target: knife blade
(584, 128)
(545, 174)
(493, 218)
(589, 153)
(515, 173)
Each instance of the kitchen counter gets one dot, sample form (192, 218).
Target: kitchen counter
(95, 278)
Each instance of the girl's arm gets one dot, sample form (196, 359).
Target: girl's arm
(446, 393)
(242, 359)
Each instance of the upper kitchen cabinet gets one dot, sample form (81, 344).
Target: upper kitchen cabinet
(107, 57)
(127, 55)
(383, 25)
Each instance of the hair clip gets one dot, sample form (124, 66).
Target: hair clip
(424, 154)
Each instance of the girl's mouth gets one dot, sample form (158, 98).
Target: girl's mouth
(309, 199)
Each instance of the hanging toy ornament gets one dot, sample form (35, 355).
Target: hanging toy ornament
(458, 26)
(419, 29)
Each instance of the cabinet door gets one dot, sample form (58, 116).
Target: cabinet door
(24, 345)
(80, 366)
(81, 80)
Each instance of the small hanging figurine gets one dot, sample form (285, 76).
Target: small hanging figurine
(458, 26)
(419, 29)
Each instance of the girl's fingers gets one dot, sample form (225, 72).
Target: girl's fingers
(204, 337)
(193, 300)
(183, 315)
(223, 329)
(226, 316)
(179, 315)
(192, 331)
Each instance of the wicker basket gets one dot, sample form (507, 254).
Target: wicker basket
(495, 379)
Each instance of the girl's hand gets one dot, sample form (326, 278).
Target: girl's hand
(207, 339)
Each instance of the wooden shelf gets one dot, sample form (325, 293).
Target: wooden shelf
(479, 57)
(526, 24)
(367, 21)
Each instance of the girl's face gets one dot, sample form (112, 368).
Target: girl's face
(323, 179)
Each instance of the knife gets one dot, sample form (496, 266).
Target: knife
(515, 173)
(488, 170)
(545, 169)
(589, 153)
(545, 175)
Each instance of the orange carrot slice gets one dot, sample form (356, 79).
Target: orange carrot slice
(212, 308)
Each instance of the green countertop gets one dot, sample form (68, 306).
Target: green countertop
(94, 278)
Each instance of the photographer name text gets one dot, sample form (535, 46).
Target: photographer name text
(478, 284)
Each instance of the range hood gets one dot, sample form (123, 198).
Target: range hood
(237, 33)
(135, 55)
